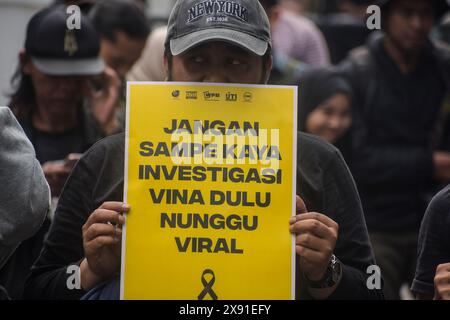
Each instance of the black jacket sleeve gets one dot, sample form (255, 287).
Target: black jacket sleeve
(326, 185)
(63, 247)
(433, 243)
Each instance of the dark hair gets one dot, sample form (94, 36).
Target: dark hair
(85, 6)
(360, 2)
(267, 4)
(23, 96)
(109, 16)
(440, 7)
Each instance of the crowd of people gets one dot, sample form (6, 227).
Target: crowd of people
(374, 138)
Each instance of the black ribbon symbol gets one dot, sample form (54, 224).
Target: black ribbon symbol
(208, 285)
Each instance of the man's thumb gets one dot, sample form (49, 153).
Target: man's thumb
(300, 205)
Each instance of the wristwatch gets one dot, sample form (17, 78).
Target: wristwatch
(331, 277)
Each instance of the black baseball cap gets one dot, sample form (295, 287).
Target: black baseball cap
(57, 50)
(241, 22)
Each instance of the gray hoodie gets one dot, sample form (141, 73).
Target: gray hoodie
(24, 192)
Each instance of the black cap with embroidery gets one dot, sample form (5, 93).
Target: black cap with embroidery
(241, 22)
(57, 50)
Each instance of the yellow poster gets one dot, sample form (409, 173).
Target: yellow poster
(210, 177)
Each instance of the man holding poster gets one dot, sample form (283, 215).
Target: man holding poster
(211, 42)
(213, 195)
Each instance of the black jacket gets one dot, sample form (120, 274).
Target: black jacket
(323, 181)
(395, 122)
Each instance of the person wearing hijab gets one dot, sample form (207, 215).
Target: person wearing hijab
(324, 107)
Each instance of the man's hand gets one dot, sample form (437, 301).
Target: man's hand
(442, 282)
(72, 159)
(103, 99)
(57, 172)
(441, 161)
(315, 240)
(56, 175)
(102, 235)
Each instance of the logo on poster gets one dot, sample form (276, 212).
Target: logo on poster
(211, 96)
(231, 96)
(191, 95)
(176, 94)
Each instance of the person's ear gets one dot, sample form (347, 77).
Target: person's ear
(268, 69)
(25, 62)
(166, 67)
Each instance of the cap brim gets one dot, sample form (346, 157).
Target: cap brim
(72, 67)
(246, 41)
